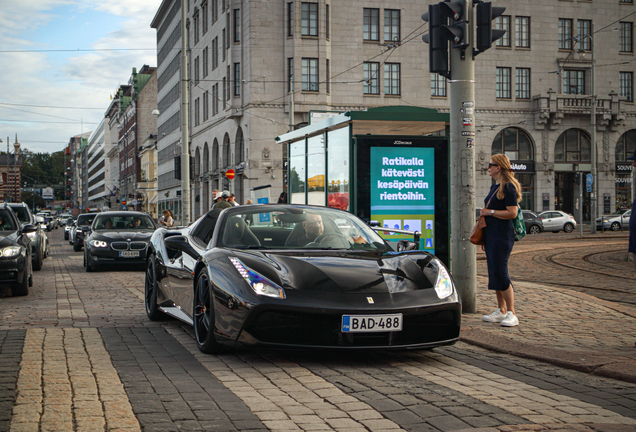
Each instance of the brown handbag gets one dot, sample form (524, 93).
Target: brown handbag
(477, 234)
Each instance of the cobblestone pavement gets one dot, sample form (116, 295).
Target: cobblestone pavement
(79, 354)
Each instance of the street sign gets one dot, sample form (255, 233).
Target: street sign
(589, 188)
(229, 174)
(589, 180)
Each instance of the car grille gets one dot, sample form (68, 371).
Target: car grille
(324, 330)
(119, 246)
(137, 245)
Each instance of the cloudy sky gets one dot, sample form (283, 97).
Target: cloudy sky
(61, 60)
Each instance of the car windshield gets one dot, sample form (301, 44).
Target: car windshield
(85, 220)
(124, 222)
(6, 221)
(22, 213)
(298, 228)
(618, 212)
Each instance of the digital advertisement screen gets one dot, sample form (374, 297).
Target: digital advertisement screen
(403, 192)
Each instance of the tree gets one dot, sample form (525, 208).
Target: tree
(33, 200)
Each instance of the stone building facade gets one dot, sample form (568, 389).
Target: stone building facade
(533, 88)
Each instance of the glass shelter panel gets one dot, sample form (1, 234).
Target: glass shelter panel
(297, 173)
(338, 168)
(316, 170)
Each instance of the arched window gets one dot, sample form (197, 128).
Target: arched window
(573, 146)
(514, 143)
(625, 145)
(197, 162)
(238, 146)
(215, 155)
(227, 157)
(206, 159)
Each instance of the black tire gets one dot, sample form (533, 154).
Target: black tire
(37, 262)
(203, 314)
(77, 247)
(87, 263)
(568, 228)
(534, 229)
(615, 226)
(65, 235)
(150, 289)
(22, 288)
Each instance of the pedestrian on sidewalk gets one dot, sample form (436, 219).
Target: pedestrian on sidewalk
(632, 220)
(500, 209)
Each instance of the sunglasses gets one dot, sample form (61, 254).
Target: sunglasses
(490, 165)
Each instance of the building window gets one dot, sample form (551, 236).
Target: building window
(309, 19)
(205, 62)
(392, 78)
(196, 112)
(290, 19)
(327, 29)
(224, 90)
(204, 17)
(215, 99)
(584, 33)
(503, 83)
(327, 79)
(626, 85)
(438, 85)
(206, 102)
(573, 82)
(196, 70)
(215, 11)
(310, 74)
(237, 79)
(503, 23)
(195, 19)
(573, 145)
(565, 33)
(229, 82)
(371, 70)
(523, 83)
(290, 74)
(626, 37)
(371, 24)
(215, 53)
(391, 25)
(522, 32)
(237, 25)
(223, 46)
(229, 29)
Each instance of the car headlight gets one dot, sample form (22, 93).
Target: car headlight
(10, 251)
(32, 234)
(78, 231)
(443, 284)
(98, 243)
(260, 284)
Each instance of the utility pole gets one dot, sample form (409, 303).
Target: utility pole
(453, 21)
(185, 145)
(594, 209)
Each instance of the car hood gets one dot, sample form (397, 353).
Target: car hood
(346, 272)
(121, 236)
(8, 238)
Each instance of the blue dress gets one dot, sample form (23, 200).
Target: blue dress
(499, 237)
(632, 229)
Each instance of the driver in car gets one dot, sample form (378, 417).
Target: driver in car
(136, 222)
(313, 229)
(108, 224)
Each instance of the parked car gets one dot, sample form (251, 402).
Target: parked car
(67, 228)
(16, 265)
(534, 223)
(557, 220)
(38, 237)
(615, 221)
(240, 277)
(48, 221)
(117, 238)
(84, 220)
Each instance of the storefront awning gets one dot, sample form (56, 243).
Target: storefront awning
(154, 199)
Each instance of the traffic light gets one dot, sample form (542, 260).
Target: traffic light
(577, 178)
(177, 167)
(486, 35)
(459, 14)
(438, 44)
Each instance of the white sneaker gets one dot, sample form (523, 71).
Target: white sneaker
(495, 317)
(510, 320)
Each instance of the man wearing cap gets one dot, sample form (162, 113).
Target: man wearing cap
(632, 220)
(223, 202)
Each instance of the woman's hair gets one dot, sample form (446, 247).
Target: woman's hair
(507, 176)
(169, 212)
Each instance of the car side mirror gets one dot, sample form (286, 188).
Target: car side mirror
(406, 245)
(29, 229)
(86, 229)
(181, 243)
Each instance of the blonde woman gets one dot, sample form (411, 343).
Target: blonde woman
(500, 209)
(168, 220)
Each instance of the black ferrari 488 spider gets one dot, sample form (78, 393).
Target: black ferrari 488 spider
(293, 276)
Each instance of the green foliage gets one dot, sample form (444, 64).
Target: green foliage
(44, 169)
(33, 200)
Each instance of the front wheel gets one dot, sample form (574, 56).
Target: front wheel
(22, 288)
(534, 229)
(203, 311)
(77, 247)
(615, 226)
(568, 228)
(37, 262)
(87, 263)
(150, 288)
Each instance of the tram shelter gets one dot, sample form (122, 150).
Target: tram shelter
(387, 165)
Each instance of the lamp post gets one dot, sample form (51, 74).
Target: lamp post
(16, 145)
(185, 145)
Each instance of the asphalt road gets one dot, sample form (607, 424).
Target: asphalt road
(78, 353)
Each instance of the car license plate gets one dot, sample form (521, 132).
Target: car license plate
(129, 254)
(371, 323)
